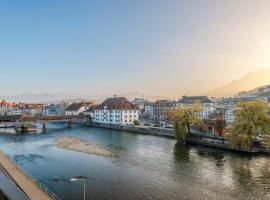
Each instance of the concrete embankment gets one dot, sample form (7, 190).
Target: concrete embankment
(76, 144)
(22, 180)
(197, 137)
(139, 129)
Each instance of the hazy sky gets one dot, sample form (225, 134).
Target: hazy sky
(161, 47)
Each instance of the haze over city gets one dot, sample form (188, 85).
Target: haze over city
(134, 99)
(111, 47)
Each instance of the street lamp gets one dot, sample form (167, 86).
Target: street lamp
(80, 178)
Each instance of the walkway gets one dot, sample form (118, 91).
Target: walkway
(24, 182)
(10, 189)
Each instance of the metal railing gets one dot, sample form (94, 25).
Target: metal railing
(38, 183)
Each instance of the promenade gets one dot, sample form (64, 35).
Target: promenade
(24, 182)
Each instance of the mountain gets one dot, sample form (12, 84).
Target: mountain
(57, 97)
(248, 82)
(45, 97)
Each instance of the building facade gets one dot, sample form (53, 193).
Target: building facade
(76, 108)
(116, 110)
(207, 104)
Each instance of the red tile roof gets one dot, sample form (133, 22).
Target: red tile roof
(117, 103)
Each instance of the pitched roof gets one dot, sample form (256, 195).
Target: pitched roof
(117, 103)
(74, 107)
(194, 99)
(91, 108)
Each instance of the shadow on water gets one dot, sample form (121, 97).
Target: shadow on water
(21, 159)
(181, 152)
(199, 169)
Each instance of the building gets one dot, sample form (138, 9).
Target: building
(229, 115)
(16, 111)
(208, 105)
(31, 109)
(90, 111)
(76, 108)
(6, 108)
(54, 110)
(149, 111)
(116, 110)
(140, 102)
(162, 110)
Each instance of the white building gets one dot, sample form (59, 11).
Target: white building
(229, 115)
(208, 105)
(16, 111)
(116, 110)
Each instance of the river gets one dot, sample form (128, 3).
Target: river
(148, 167)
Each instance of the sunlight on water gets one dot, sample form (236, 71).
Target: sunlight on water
(149, 167)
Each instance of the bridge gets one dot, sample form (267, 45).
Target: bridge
(24, 122)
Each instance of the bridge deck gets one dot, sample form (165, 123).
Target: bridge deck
(27, 185)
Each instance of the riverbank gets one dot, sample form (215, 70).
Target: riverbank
(22, 180)
(163, 132)
(196, 138)
(76, 144)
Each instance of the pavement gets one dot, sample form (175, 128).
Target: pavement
(10, 189)
(29, 188)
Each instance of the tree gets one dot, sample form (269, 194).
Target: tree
(136, 123)
(183, 118)
(251, 120)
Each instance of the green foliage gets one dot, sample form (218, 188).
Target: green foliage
(136, 123)
(184, 118)
(251, 120)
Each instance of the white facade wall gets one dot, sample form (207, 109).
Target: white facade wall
(229, 116)
(16, 112)
(208, 109)
(118, 117)
(4, 110)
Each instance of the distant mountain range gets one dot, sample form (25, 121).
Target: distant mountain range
(57, 97)
(246, 83)
(45, 97)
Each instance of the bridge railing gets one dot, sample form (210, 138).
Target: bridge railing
(25, 118)
(39, 184)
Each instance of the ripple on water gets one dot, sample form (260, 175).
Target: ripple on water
(149, 167)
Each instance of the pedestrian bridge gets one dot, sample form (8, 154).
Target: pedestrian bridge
(25, 122)
(26, 118)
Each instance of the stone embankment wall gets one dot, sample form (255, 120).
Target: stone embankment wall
(142, 130)
(196, 137)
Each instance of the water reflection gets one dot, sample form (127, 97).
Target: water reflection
(149, 167)
(181, 152)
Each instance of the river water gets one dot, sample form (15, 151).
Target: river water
(148, 167)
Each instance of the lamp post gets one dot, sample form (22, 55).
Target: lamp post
(80, 178)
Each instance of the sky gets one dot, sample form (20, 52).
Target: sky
(155, 47)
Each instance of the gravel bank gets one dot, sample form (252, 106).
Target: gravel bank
(76, 144)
